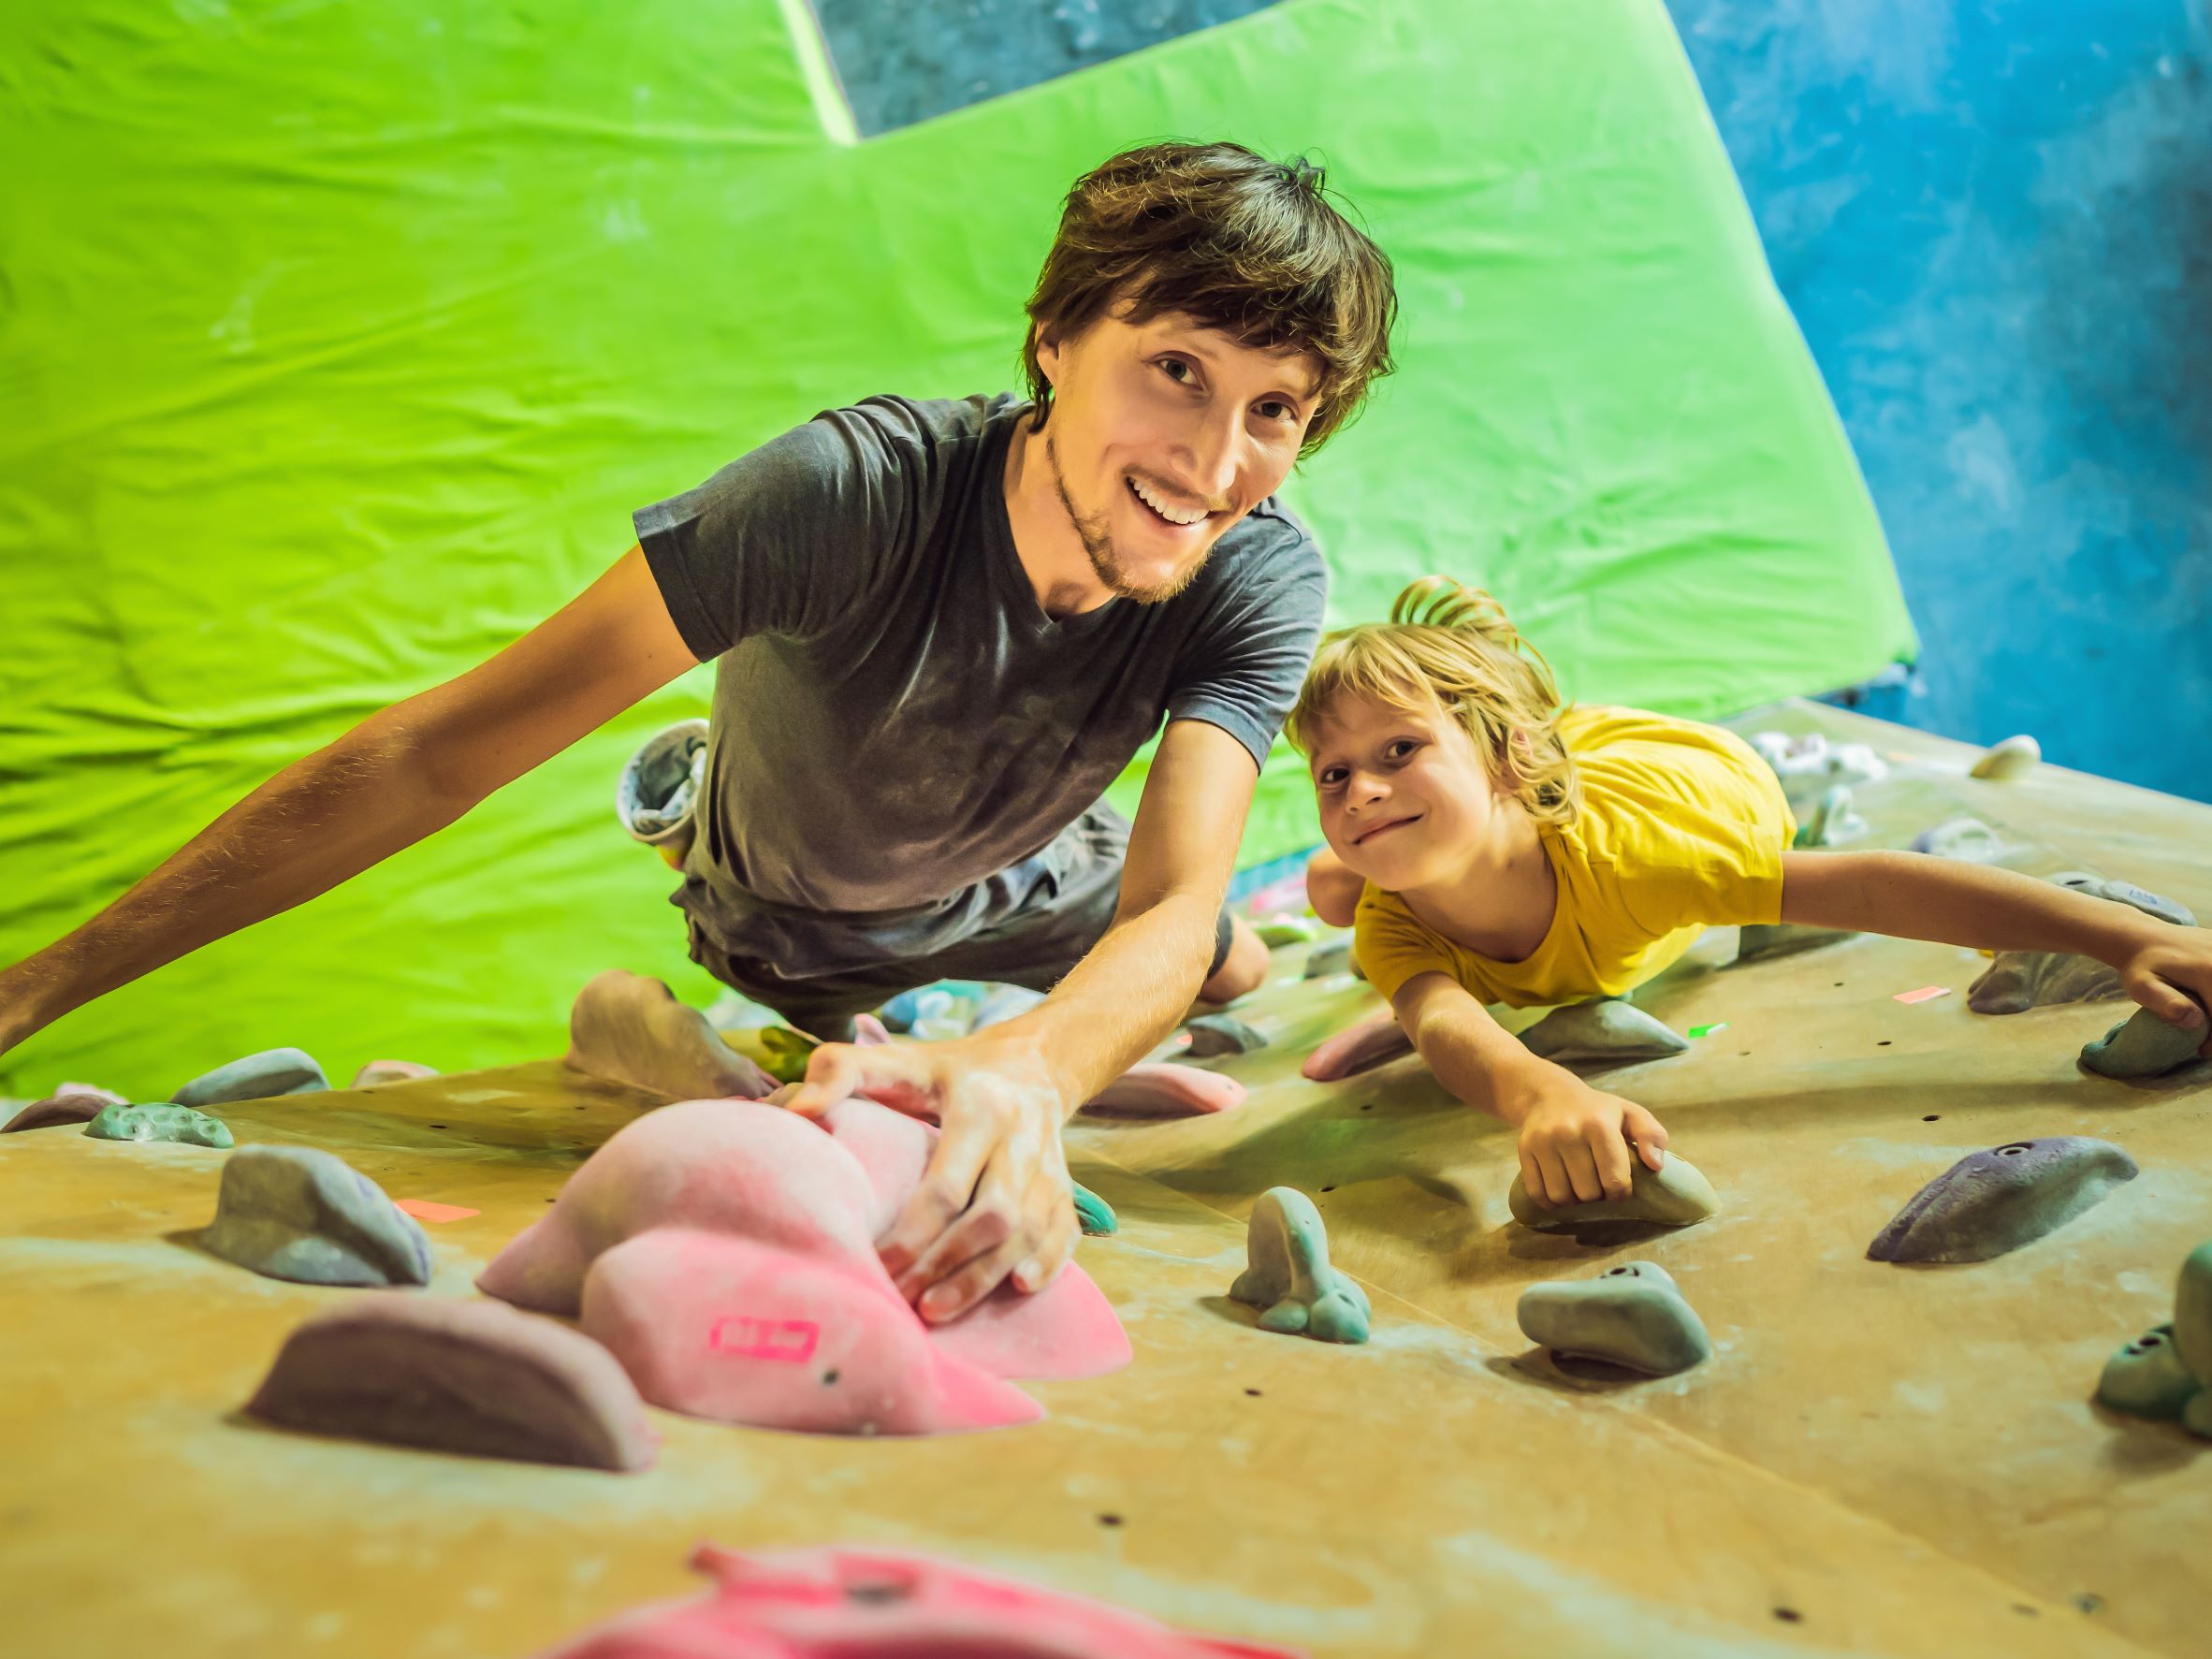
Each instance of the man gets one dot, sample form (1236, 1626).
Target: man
(940, 629)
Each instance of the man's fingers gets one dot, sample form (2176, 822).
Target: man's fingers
(1609, 1151)
(948, 1186)
(1031, 1256)
(892, 1076)
(1052, 1256)
(988, 1235)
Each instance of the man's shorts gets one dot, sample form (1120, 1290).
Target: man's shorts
(1061, 915)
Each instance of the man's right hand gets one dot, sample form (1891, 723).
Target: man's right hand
(1575, 1141)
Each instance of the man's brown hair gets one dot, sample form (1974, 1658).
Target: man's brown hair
(1238, 242)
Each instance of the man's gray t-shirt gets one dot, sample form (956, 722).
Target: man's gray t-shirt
(897, 720)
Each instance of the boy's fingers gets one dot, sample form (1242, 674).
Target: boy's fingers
(1581, 1169)
(1610, 1154)
(1532, 1179)
(1557, 1188)
(1649, 1134)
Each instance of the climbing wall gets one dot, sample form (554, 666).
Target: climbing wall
(1881, 1459)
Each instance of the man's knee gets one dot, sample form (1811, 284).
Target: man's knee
(1243, 969)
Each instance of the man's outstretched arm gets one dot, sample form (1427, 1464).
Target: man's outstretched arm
(994, 1200)
(402, 774)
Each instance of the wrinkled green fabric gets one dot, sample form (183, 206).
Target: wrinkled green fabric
(341, 341)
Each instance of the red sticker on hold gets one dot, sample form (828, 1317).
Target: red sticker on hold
(1925, 994)
(765, 1339)
(430, 1210)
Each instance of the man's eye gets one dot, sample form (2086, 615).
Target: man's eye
(1175, 369)
(1276, 409)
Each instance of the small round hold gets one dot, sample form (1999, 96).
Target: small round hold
(2016, 757)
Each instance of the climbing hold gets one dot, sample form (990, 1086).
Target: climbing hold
(1633, 1315)
(1285, 930)
(1996, 1200)
(2127, 893)
(2142, 1045)
(1603, 1033)
(1811, 758)
(1003, 1003)
(1164, 1089)
(159, 1123)
(1760, 941)
(382, 1071)
(1093, 1214)
(1676, 1194)
(2146, 1377)
(1331, 956)
(2016, 757)
(1211, 1035)
(2192, 1313)
(1832, 822)
(73, 1102)
(295, 1213)
(2196, 1417)
(785, 1052)
(1968, 839)
(257, 1077)
(1288, 1277)
(471, 1376)
(1357, 1049)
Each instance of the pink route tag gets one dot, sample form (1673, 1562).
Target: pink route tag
(1925, 994)
(430, 1210)
(765, 1339)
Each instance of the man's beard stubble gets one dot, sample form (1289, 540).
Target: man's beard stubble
(1097, 544)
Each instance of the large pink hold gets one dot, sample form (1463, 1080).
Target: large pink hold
(723, 1251)
(878, 1604)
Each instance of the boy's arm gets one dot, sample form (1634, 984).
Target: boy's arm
(1915, 896)
(1332, 890)
(1573, 1139)
(399, 774)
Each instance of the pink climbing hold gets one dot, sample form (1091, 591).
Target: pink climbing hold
(883, 1604)
(1357, 1048)
(73, 1102)
(723, 1251)
(1165, 1089)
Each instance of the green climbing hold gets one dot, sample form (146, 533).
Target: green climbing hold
(1094, 1214)
(2146, 1377)
(1288, 1277)
(786, 1051)
(1286, 931)
(159, 1123)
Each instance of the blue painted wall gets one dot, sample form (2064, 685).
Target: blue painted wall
(1993, 219)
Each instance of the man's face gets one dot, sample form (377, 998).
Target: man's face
(1163, 435)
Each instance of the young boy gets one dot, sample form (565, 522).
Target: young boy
(1489, 846)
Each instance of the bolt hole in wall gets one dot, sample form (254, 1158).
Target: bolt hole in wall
(1993, 221)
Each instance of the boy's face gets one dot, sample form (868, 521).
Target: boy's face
(1405, 795)
(1161, 436)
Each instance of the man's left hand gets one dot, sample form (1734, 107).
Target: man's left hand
(995, 1202)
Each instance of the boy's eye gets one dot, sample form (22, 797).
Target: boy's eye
(1330, 777)
(1400, 748)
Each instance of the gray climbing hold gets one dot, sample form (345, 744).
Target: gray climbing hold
(73, 1102)
(1606, 1032)
(1335, 956)
(1832, 822)
(2146, 1377)
(293, 1212)
(2127, 893)
(1003, 1003)
(163, 1122)
(1094, 1215)
(2196, 1417)
(1676, 1194)
(1996, 1200)
(2016, 757)
(257, 1077)
(1289, 1276)
(2016, 980)
(2142, 1045)
(2192, 1313)
(1633, 1316)
(1965, 838)
(1221, 1033)
(1760, 941)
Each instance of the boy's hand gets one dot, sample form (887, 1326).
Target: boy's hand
(2170, 973)
(1575, 1142)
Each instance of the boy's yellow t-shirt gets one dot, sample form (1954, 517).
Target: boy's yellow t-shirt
(1683, 828)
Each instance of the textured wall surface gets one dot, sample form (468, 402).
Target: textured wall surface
(1993, 219)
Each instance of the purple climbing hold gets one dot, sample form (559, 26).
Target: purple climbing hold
(1994, 1202)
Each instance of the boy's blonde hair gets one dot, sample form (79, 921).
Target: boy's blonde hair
(1451, 649)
